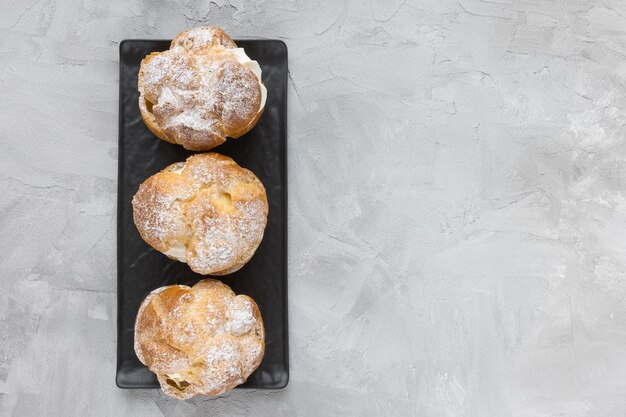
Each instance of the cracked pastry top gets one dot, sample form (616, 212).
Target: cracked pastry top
(201, 90)
(199, 340)
(208, 212)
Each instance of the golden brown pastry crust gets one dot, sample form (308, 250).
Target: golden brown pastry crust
(200, 340)
(207, 211)
(197, 93)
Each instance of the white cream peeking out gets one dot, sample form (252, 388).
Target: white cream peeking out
(244, 60)
(177, 251)
(178, 167)
(174, 377)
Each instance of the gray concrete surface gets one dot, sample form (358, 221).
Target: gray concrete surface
(457, 174)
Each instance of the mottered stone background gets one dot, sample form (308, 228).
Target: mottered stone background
(457, 208)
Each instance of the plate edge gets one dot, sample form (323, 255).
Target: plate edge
(285, 48)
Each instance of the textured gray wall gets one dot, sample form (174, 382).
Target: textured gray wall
(457, 209)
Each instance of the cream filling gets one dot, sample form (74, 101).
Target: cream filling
(175, 377)
(245, 60)
(178, 380)
(177, 251)
(178, 168)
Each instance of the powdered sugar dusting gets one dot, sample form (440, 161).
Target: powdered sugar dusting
(192, 119)
(240, 317)
(201, 38)
(200, 91)
(159, 215)
(206, 336)
(218, 222)
(170, 69)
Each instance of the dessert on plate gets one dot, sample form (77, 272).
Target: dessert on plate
(207, 211)
(199, 340)
(201, 90)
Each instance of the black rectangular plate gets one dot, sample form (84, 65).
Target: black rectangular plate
(141, 269)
